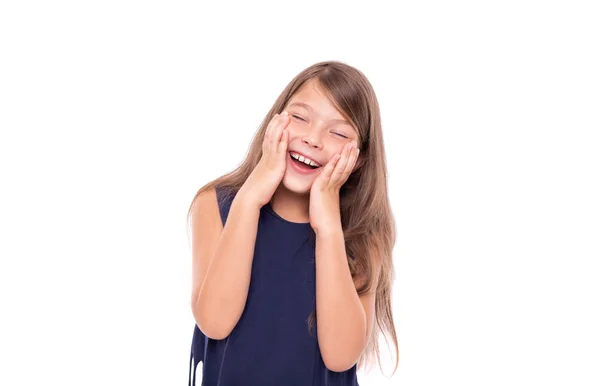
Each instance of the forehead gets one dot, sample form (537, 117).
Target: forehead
(313, 98)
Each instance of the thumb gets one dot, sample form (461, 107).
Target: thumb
(283, 144)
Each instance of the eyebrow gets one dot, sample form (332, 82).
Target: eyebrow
(306, 106)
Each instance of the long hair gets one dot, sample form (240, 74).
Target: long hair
(367, 221)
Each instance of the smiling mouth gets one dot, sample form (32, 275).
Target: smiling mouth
(302, 165)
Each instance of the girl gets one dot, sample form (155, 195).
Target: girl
(292, 251)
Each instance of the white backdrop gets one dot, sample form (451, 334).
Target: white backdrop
(113, 114)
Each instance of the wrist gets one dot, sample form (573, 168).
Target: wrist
(247, 199)
(329, 230)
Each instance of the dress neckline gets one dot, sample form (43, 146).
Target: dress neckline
(270, 209)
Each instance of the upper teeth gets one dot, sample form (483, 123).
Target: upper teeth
(307, 161)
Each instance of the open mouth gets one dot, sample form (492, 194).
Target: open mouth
(302, 165)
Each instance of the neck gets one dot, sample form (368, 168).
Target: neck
(290, 205)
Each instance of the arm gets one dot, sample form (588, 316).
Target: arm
(222, 262)
(222, 273)
(344, 319)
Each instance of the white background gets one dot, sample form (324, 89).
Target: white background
(114, 113)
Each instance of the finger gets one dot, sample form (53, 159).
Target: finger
(270, 142)
(277, 130)
(268, 133)
(356, 152)
(350, 164)
(328, 169)
(339, 170)
(283, 144)
(271, 125)
(280, 128)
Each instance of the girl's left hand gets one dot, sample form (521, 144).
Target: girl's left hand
(324, 208)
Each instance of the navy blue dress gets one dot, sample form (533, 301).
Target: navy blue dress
(271, 343)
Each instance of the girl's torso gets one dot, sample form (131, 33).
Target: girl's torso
(271, 343)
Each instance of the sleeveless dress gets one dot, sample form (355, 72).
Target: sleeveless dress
(271, 344)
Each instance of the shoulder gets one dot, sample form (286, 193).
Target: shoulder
(205, 209)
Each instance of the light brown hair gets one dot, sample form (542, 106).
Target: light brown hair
(367, 220)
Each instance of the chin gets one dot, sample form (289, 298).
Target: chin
(297, 184)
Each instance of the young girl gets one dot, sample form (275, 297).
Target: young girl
(292, 251)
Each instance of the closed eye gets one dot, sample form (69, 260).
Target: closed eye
(297, 117)
(304, 120)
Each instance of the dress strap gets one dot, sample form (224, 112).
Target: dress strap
(225, 196)
(192, 367)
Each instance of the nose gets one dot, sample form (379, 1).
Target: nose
(313, 139)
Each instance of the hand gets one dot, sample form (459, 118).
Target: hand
(268, 173)
(324, 207)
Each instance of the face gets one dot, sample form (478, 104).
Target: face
(317, 130)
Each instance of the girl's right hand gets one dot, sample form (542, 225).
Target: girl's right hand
(268, 173)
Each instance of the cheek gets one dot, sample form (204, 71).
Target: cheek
(337, 148)
(292, 130)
